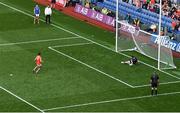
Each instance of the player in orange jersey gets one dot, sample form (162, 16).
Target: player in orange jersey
(38, 61)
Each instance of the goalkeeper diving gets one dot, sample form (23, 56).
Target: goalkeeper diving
(131, 61)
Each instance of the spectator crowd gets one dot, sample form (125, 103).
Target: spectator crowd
(170, 8)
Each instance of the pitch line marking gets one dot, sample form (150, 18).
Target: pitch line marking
(90, 66)
(22, 99)
(85, 39)
(69, 45)
(37, 41)
(68, 31)
(110, 101)
(163, 83)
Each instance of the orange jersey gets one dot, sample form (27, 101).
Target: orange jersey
(38, 60)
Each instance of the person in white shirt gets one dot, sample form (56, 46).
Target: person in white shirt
(48, 13)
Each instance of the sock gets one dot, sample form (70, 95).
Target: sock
(34, 69)
(152, 92)
(38, 70)
(155, 92)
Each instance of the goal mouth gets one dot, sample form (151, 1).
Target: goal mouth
(131, 38)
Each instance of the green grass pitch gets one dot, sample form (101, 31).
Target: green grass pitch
(80, 73)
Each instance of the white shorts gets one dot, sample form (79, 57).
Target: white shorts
(37, 15)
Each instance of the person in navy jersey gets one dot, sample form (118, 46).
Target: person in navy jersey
(36, 14)
(131, 61)
(154, 80)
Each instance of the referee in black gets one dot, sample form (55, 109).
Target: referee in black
(154, 83)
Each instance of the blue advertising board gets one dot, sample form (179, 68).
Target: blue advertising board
(167, 42)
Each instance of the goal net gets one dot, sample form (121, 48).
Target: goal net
(154, 46)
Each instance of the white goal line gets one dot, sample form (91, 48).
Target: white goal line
(110, 101)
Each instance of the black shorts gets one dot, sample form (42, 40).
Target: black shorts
(53, 1)
(134, 62)
(154, 85)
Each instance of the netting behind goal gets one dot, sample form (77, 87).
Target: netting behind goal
(130, 38)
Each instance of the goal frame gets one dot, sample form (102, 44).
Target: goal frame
(158, 36)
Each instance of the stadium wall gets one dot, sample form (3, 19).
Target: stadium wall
(70, 12)
(95, 15)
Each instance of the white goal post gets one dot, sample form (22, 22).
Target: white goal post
(154, 46)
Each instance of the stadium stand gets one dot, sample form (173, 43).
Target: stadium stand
(143, 14)
(146, 16)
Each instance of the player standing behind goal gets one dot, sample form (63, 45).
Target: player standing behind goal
(36, 14)
(154, 83)
(38, 61)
